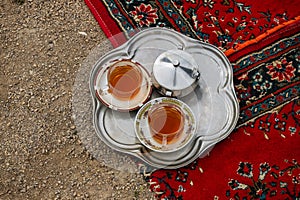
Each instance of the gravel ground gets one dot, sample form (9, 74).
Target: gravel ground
(42, 46)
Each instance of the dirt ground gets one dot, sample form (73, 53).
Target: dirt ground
(42, 45)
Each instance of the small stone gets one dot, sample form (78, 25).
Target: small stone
(23, 190)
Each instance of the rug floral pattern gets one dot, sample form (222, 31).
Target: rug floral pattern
(223, 23)
(259, 160)
(264, 144)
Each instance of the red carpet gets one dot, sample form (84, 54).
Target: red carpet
(259, 160)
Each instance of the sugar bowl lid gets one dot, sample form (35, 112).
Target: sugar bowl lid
(175, 73)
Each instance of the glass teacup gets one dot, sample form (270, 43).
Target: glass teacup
(124, 79)
(166, 123)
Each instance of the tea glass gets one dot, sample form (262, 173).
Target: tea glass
(166, 122)
(124, 79)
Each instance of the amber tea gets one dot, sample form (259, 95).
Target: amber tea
(166, 123)
(124, 79)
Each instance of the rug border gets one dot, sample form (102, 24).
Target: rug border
(111, 31)
(287, 28)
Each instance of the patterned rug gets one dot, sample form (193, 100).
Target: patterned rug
(259, 160)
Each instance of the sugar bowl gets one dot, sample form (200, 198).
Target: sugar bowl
(175, 73)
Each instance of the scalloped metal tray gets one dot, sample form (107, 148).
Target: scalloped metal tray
(213, 102)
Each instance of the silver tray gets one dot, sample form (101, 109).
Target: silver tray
(213, 102)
